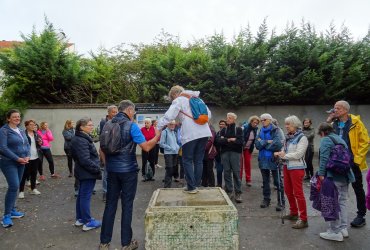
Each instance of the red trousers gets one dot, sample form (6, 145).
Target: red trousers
(246, 165)
(293, 187)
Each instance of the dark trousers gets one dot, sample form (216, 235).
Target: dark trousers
(30, 172)
(170, 163)
(124, 184)
(83, 200)
(47, 153)
(219, 169)
(69, 160)
(359, 191)
(179, 162)
(148, 157)
(208, 177)
(266, 184)
(156, 152)
(308, 159)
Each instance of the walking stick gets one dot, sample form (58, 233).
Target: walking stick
(280, 196)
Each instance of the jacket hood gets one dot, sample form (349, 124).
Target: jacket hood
(192, 93)
(355, 118)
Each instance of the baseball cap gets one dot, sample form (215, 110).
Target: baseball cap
(330, 111)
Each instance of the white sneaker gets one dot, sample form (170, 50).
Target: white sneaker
(332, 236)
(28, 183)
(35, 192)
(158, 166)
(37, 182)
(344, 232)
(21, 195)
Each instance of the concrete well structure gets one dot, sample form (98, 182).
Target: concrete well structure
(177, 220)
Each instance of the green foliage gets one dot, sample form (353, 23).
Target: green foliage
(298, 66)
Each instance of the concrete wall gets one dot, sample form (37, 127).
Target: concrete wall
(57, 115)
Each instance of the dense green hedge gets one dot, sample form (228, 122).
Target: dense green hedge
(298, 66)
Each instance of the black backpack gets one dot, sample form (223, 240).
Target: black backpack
(110, 138)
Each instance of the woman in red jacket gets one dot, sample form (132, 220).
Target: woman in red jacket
(149, 133)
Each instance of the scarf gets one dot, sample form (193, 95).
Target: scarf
(265, 134)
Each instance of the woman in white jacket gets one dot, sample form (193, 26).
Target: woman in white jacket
(294, 165)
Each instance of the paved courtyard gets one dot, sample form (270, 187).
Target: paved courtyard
(49, 219)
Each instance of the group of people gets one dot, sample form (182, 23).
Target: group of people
(21, 157)
(198, 148)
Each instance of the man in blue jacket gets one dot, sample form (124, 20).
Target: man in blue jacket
(122, 171)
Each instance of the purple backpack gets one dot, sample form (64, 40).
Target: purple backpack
(339, 159)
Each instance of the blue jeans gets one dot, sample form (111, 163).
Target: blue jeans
(124, 184)
(13, 173)
(83, 200)
(219, 169)
(192, 160)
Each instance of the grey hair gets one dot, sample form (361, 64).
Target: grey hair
(109, 109)
(175, 91)
(344, 104)
(82, 122)
(232, 115)
(148, 120)
(275, 122)
(293, 120)
(123, 105)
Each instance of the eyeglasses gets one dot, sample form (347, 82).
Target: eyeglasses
(262, 120)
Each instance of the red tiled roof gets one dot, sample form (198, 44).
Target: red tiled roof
(8, 44)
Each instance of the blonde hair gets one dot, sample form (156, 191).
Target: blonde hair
(254, 117)
(68, 124)
(175, 91)
(42, 125)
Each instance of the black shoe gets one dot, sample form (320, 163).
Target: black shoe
(104, 197)
(265, 203)
(279, 207)
(358, 222)
(248, 184)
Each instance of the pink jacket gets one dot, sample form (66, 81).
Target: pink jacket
(47, 137)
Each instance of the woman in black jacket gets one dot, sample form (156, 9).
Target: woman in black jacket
(87, 171)
(30, 171)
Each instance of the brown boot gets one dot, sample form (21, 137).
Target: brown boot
(300, 224)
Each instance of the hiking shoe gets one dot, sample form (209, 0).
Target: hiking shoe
(194, 191)
(103, 246)
(92, 224)
(35, 192)
(279, 207)
(265, 203)
(358, 222)
(133, 245)
(238, 198)
(344, 232)
(7, 221)
(42, 178)
(332, 236)
(21, 195)
(15, 214)
(290, 217)
(79, 223)
(300, 224)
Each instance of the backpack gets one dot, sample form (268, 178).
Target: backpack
(339, 159)
(148, 172)
(198, 109)
(110, 138)
(165, 140)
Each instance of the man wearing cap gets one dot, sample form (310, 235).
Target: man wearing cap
(351, 129)
(268, 141)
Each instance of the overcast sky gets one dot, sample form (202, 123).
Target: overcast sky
(91, 24)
